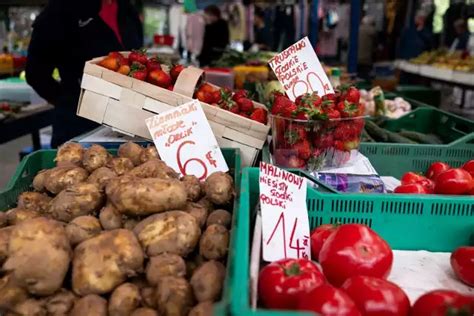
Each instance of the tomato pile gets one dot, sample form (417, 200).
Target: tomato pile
(440, 178)
(236, 102)
(140, 67)
(352, 281)
(316, 130)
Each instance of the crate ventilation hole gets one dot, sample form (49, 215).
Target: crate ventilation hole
(405, 208)
(352, 206)
(452, 209)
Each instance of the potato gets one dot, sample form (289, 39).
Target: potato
(101, 176)
(77, 200)
(221, 217)
(164, 265)
(207, 204)
(30, 307)
(10, 293)
(124, 300)
(120, 165)
(174, 232)
(138, 197)
(130, 223)
(214, 242)
(148, 153)
(5, 234)
(82, 228)
(148, 297)
(39, 180)
(154, 168)
(34, 201)
(90, 305)
(198, 211)
(207, 281)
(39, 255)
(144, 311)
(105, 261)
(60, 303)
(60, 178)
(110, 218)
(193, 187)
(70, 153)
(131, 151)
(95, 157)
(174, 296)
(202, 309)
(193, 262)
(219, 188)
(18, 215)
(3, 219)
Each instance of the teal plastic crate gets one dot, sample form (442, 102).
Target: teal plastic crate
(406, 222)
(44, 159)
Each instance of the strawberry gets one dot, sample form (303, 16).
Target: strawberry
(204, 96)
(171, 87)
(216, 96)
(245, 105)
(339, 145)
(352, 95)
(283, 106)
(324, 141)
(233, 107)
(159, 78)
(259, 115)
(295, 133)
(309, 100)
(244, 115)
(303, 148)
(138, 56)
(347, 109)
(330, 96)
(342, 131)
(175, 71)
(302, 116)
(239, 94)
(138, 71)
(153, 64)
(121, 58)
(295, 162)
(207, 87)
(351, 144)
(333, 114)
(227, 103)
(110, 63)
(124, 70)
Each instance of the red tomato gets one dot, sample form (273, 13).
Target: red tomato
(462, 262)
(469, 167)
(440, 302)
(412, 188)
(377, 297)
(355, 249)
(411, 177)
(326, 300)
(319, 236)
(454, 181)
(436, 168)
(282, 282)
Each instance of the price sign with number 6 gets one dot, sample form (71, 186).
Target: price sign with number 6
(184, 140)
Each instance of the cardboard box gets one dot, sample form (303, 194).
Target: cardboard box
(123, 103)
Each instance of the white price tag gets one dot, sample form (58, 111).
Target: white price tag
(185, 141)
(285, 224)
(299, 71)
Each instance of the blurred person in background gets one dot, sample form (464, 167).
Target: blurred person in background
(462, 35)
(216, 36)
(65, 35)
(365, 55)
(263, 35)
(417, 38)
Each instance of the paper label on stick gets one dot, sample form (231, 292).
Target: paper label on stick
(299, 71)
(185, 141)
(285, 224)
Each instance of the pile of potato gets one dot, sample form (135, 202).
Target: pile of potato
(103, 235)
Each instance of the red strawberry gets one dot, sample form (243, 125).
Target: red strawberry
(302, 116)
(244, 115)
(347, 109)
(110, 63)
(121, 58)
(309, 100)
(216, 96)
(342, 131)
(246, 105)
(352, 95)
(207, 87)
(295, 162)
(339, 145)
(124, 70)
(324, 141)
(171, 87)
(153, 64)
(303, 148)
(239, 94)
(330, 96)
(283, 106)
(295, 133)
(138, 71)
(204, 96)
(175, 71)
(138, 56)
(259, 115)
(159, 78)
(333, 114)
(233, 107)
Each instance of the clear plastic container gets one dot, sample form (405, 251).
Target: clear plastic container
(315, 145)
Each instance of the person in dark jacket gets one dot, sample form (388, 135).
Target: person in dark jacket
(65, 35)
(216, 36)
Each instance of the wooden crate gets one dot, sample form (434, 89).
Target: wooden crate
(123, 103)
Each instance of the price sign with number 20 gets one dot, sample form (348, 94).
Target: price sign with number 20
(285, 225)
(184, 140)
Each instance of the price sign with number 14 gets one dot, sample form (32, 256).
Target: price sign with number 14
(184, 140)
(285, 224)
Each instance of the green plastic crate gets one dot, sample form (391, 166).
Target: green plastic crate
(44, 159)
(434, 223)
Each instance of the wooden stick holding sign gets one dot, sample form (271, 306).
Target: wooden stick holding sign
(299, 71)
(184, 140)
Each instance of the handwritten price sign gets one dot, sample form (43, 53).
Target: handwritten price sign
(285, 225)
(299, 71)
(185, 141)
